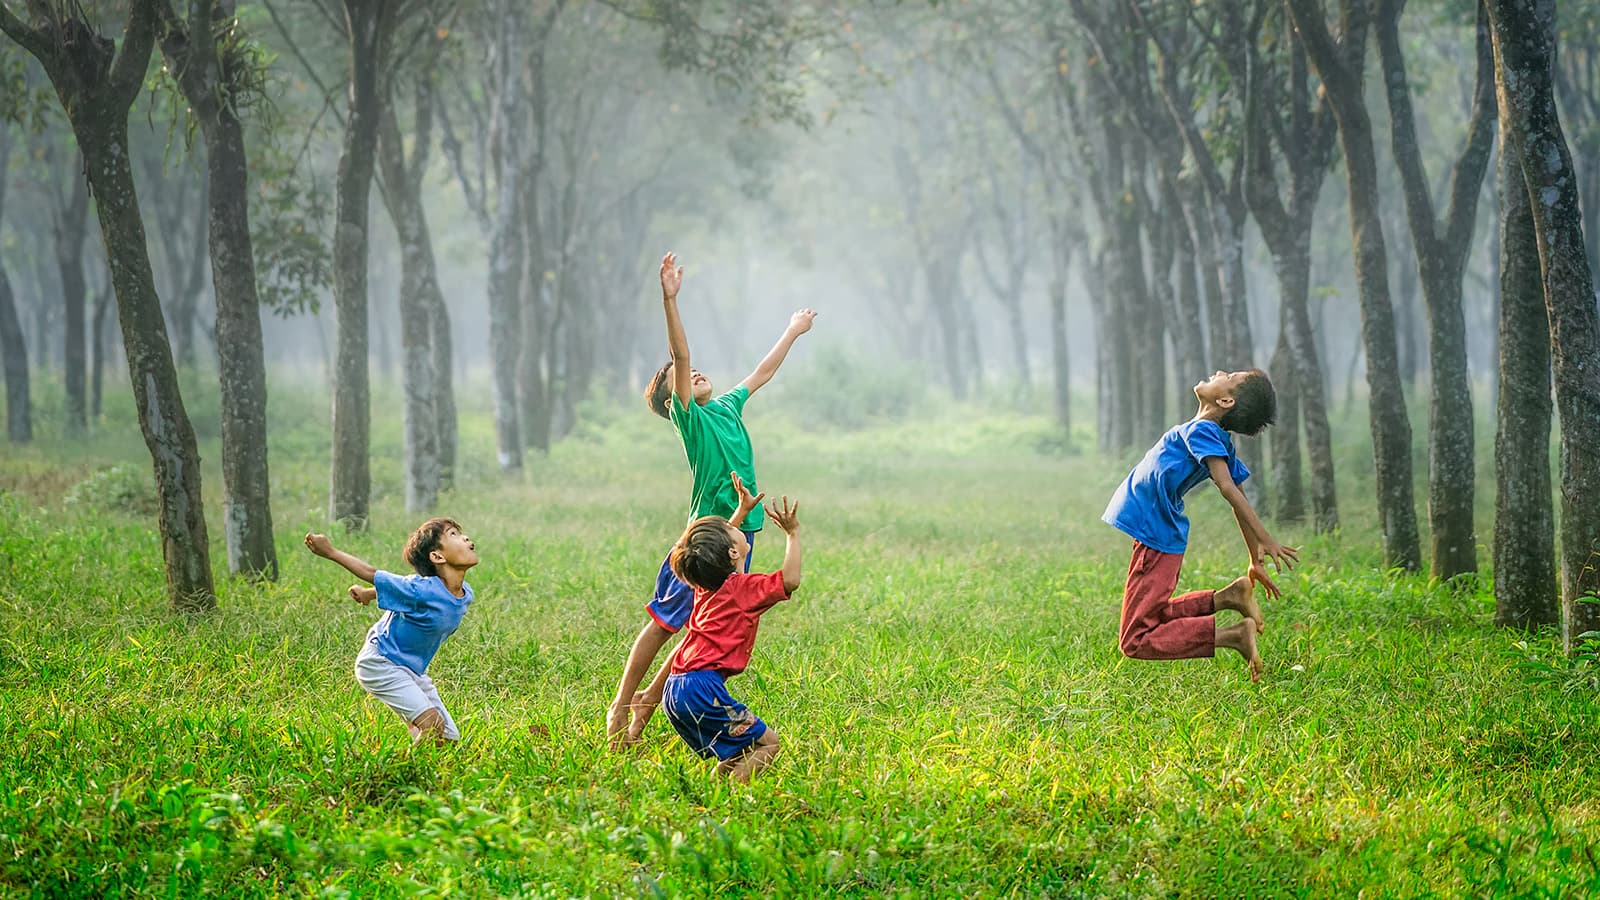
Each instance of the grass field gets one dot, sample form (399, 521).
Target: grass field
(956, 717)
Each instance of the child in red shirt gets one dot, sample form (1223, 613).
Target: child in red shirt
(728, 604)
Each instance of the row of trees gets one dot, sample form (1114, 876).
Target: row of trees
(1120, 153)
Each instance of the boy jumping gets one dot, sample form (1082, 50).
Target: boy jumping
(728, 605)
(420, 611)
(716, 443)
(1148, 507)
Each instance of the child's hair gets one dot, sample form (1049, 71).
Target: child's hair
(1255, 405)
(424, 541)
(700, 557)
(659, 391)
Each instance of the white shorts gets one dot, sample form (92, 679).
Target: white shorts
(402, 690)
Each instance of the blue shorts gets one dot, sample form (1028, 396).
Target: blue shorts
(674, 600)
(707, 717)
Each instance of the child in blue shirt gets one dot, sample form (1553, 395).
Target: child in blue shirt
(1148, 507)
(420, 611)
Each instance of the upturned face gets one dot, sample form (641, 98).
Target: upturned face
(737, 551)
(699, 386)
(455, 549)
(1219, 388)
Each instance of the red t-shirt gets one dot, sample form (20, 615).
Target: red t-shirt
(722, 628)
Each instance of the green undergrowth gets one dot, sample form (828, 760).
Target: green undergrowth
(955, 714)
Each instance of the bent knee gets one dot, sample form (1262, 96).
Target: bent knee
(1134, 647)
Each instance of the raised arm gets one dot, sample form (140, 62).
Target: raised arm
(321, 546)
(787, 517)
(677, 341)
(799, 324)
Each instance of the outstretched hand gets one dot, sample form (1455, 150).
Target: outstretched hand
(319, 544)
(363, 594)
(746, 501)
(800, 322)
(671, 276)
(786, 516)
(1283, 557)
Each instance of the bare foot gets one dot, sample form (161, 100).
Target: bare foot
(1240, 596)
(1242, 638)
(617, 725)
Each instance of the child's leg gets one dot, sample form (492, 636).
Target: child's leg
(400, 690)
(669, 611)
(645, 647)
(645, 702)
(441, 723)
(753, 760)
(1157, 625)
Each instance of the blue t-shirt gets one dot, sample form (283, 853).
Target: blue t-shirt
(420, 613)
(1148, 504)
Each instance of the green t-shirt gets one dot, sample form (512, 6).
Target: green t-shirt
(716, 443)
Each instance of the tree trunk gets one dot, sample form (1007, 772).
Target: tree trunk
(1442, 250)
(70, 228)
(14, 352)
(1524, 43)
(1391, 428)
(1284, 439)
(1060, 352)
(103, 137)
(13, 343)
(351, 475)
(418, 285)
(1525, 594)
(98, 348)
(1294, 279)
(246, 487)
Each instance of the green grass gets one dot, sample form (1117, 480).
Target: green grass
(956, 717)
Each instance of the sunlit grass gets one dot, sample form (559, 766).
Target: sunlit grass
(955, 714)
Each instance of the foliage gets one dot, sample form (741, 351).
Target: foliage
(845, 390)
(956, 718)
(123, 489)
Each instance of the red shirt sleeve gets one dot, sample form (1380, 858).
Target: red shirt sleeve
(759, 593)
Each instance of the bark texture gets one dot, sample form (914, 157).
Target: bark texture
(1338, 63)
(1525, 592)
(1525, 49)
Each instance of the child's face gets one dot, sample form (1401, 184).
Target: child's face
(739, 549)
(455, 549)
(1219, 387)
(699, 386)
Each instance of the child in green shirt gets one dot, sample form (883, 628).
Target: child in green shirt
(718, 450)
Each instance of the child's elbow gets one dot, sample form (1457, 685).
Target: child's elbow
(790, 585)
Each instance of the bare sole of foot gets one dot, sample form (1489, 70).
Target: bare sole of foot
(1240, 596)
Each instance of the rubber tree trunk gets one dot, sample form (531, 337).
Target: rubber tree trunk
(1340, 69)
(167, 431)
(418, 284)
(1525, 46)
(13, 342)
(246, 485)
(350, 486)
(1525, 592)
(70, 229)
(1443, 245)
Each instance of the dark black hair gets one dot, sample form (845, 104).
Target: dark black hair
(1255, 405)
(659, 391)
(701, 557)
(424, 541)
